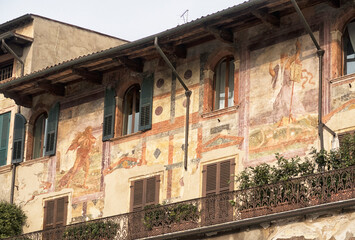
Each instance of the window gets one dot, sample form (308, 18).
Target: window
(55, 213)
(18, 138)
(4, 137)
(144, 192)
(38, 136)
(131, 110)
(224, 84)
(6, 70)
(349, 47)
(218, 177)
(45, 133)
(136, 111)
(217, 180)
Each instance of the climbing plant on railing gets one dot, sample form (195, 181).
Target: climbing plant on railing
(91, 231)
(286, 169)
(157, 215)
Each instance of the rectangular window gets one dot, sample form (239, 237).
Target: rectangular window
(4, 137)
(55, 213)
(218, 179)
(144, 192)
(6, 70)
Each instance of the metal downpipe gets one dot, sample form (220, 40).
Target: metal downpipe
(15, 55)
(320, 53)
(187, 94)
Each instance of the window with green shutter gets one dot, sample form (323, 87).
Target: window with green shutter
(146, 103)
(18, 138)
(109, 114)
(131, 110)
(4, 137)
(52, 128)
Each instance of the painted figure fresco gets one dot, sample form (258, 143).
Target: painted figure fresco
(287, 105)
(82, 144)
(287, 123)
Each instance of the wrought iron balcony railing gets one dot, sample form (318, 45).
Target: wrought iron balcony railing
(297, 193)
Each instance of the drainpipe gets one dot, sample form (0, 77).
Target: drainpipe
(14, 165)
(3, 43)
(320, 53)
(187, 94)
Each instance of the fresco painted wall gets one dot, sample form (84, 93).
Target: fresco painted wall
(283, 99)
(79, 157)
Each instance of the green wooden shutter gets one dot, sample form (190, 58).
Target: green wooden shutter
(109, 114)
(18, 138)
(52, 127)
(146, 103)
(4, 137)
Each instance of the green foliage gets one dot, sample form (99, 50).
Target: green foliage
(155, 215)
(91, 230)
(286, 169)
(12, 219)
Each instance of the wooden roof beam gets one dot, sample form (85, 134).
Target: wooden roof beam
(222, 35)
(334, 3)
(267, 18)
(179, 51)
(24, 101)
(55, 89)
(136, 65)
(94, 76)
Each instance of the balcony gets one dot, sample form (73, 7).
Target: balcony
(289, 198)
(322, 191)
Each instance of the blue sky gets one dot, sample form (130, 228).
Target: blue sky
(130, 20)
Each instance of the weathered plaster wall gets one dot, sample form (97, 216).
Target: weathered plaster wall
(275, 112)
(57, 42)
(331, 225)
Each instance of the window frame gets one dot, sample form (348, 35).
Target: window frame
(136, 88)
(229, 60)
(55, 208)
(346, 42)
(3, 66)
(205, 191)
(42, 136)
(151, 181)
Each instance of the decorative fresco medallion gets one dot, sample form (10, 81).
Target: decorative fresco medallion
(160, 82)
(158, 110)
(188, 74)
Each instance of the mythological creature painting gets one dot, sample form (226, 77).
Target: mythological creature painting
(82, 144)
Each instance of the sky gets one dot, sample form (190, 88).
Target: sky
(128, 19)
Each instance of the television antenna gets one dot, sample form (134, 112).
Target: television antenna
(185, 16)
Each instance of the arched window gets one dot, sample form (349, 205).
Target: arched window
(131, 110)
(224, 84)
(39, 136)
(348, 48)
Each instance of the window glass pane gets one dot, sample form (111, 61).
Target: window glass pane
(349, 42)
(222, 87)
(131, 110)
(231, 84)
(38, 136)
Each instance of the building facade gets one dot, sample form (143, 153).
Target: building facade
(107, 137)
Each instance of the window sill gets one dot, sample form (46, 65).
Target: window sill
(345, 78)
(219, 112)
(35, 160)
(126, 136)
(5, 168)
